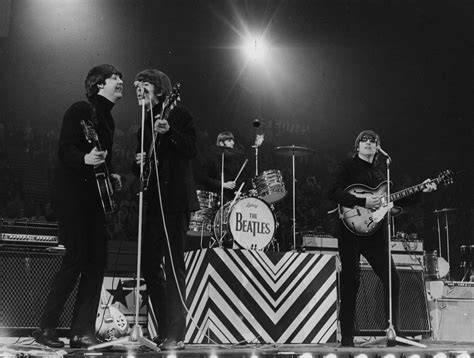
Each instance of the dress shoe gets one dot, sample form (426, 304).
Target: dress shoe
(170, 344)
(83, 341)
(47, 336)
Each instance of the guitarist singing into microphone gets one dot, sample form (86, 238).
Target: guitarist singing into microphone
(169, 146)
(84, 158)
(364, 168)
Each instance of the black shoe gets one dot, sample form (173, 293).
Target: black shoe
(83, 341)
(170, 344)
(47, 336)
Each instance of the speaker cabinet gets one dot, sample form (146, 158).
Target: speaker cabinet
(25, 280)
(370, 306)
(452, 315)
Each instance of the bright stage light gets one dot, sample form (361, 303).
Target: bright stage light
(306, 355)
(362, 355)
(463, 355)
(255, 49)
(389, 356)
(414, 356)
(440, 355)
(330, 355)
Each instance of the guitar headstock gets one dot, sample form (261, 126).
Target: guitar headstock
(89, 132)
(174, 97)
(446, 177)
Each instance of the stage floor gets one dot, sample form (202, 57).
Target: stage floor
(26, 347)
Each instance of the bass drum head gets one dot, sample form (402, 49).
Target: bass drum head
(251, 223)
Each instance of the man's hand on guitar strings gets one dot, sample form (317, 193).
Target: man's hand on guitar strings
(429, 186)
(95, 157)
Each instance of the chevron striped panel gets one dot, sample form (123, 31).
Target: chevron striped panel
(238, 296)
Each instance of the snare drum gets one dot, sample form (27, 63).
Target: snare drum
(249, 223)
(200, 222)
(270, 186)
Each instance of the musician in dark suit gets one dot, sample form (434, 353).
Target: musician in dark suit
(365, 167)
(80, 213)
(168, 204)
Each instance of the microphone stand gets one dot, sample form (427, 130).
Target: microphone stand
(391, 336)
(135, 337)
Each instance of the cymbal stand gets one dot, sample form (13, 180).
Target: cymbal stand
(221, 210)
(294, 198)
(391, 335)
(136, 335)
(446, 228)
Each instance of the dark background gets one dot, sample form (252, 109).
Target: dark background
(333, 68)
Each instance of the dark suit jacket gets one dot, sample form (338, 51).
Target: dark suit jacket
(176, 149)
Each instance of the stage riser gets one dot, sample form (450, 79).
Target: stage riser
(252, 296)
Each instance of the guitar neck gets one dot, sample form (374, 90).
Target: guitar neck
(410, 191)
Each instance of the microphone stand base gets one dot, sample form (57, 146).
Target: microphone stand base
(391, 340)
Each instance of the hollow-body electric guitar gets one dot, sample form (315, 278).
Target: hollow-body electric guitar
(362, 221)
(110, 323)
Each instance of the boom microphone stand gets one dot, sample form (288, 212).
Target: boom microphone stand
(136, 336)
(391, 335)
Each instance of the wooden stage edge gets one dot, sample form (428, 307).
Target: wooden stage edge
(24, 347)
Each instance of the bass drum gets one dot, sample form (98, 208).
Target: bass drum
(249, 223)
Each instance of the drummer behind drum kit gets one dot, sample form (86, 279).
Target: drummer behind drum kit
(248, 221)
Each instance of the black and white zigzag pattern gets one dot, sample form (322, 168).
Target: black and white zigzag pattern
(260, 297)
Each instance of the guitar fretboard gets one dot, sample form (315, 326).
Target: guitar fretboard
(410, 191)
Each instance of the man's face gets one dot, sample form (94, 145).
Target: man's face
(146, 92)
(368, 145)
(229, 143)
(112, 89)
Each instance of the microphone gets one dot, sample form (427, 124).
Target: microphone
(256, 123)
(383, 152)
(140, 86)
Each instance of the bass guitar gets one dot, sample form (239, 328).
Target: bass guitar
(102, 175)
(362, 221)
(169, 103)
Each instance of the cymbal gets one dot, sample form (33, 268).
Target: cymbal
(291, 150)
(445, 210)
(132, 283)
(228, 152)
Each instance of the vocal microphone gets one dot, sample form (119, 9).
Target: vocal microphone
(383, 152)
(140, 86)
(256, 123)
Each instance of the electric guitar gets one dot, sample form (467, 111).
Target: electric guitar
(169, 103)
(362, 221)
(102, 175)
(110, 323)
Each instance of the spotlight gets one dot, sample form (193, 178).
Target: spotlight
(362, 355)
(330, 355)
(306, 355)
(389, 356)
(255, 49)
(213, 356)
(171, 356)
(440, 355)
(463, 355)
(414, 356)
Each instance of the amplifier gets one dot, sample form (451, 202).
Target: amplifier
(323, 244)
(28, 232)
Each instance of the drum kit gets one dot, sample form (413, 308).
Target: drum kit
(248, 221)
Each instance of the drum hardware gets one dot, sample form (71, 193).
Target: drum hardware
(294, 151)
(467, 261)
(446, 227)
(226, 151)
